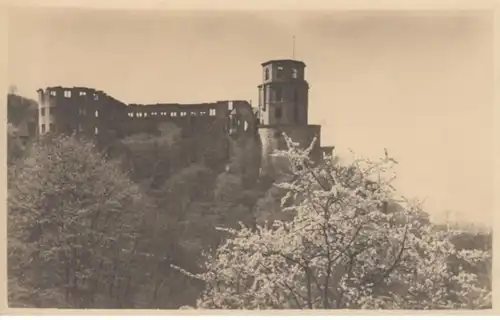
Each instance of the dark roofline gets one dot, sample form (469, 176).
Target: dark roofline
(284, 60)
(68, 88)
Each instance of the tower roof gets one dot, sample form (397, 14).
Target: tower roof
(285, 61)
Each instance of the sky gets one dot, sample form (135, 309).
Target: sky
(419, 84)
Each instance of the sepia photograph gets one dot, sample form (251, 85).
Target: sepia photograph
(249, 160)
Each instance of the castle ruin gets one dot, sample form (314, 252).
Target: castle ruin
(282, 108)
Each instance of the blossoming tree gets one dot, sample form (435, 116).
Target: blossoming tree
(342, 249)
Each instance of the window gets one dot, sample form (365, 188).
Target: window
(230, 106)
(131, 114)
(154, 113)
(96, 97)
(83, 93)
(67, 94)
(183, 114)
(203, 113)
(245, 126)
(295, 73)
(52, 127)
(42, 112)
(280, 71)
(277, 113)
(173, 114)
(43, 128)
(278, 94)
(96, 130)
(193, 113)
(53, 93)
(212, 112)
(266, 72)
(97, 113)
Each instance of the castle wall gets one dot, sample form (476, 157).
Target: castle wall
(225, 127)
(94, 114)
(89, 112)
(83, 111)
(272, 139)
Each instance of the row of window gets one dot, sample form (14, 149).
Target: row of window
(279, 97)
(280, 71)
(278, 94)
(67, 94)
(82, 111)
(52, 128)
(211, 113)
(278, 113)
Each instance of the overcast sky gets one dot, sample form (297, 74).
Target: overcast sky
(420, 84)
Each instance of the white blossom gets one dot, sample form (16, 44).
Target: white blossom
(342, 249)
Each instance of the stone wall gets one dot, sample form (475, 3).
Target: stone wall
(271, 138)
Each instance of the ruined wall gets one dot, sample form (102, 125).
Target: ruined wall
(216, 130)
(208, 128)
(91, 112)
(245, 148)
(192, 118)
(80, 111)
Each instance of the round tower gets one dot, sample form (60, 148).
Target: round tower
(283, 94)
(283, 109)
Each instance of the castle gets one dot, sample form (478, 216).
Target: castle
(282, 108)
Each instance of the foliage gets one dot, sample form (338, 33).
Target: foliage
(152, 158)
(20, 109)
(190, 199)
(342, 249)
(74, 223)
(15, 146)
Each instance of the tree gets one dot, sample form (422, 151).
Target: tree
(15, 147)
(151, 158)
(342, 249)
(73, 226)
